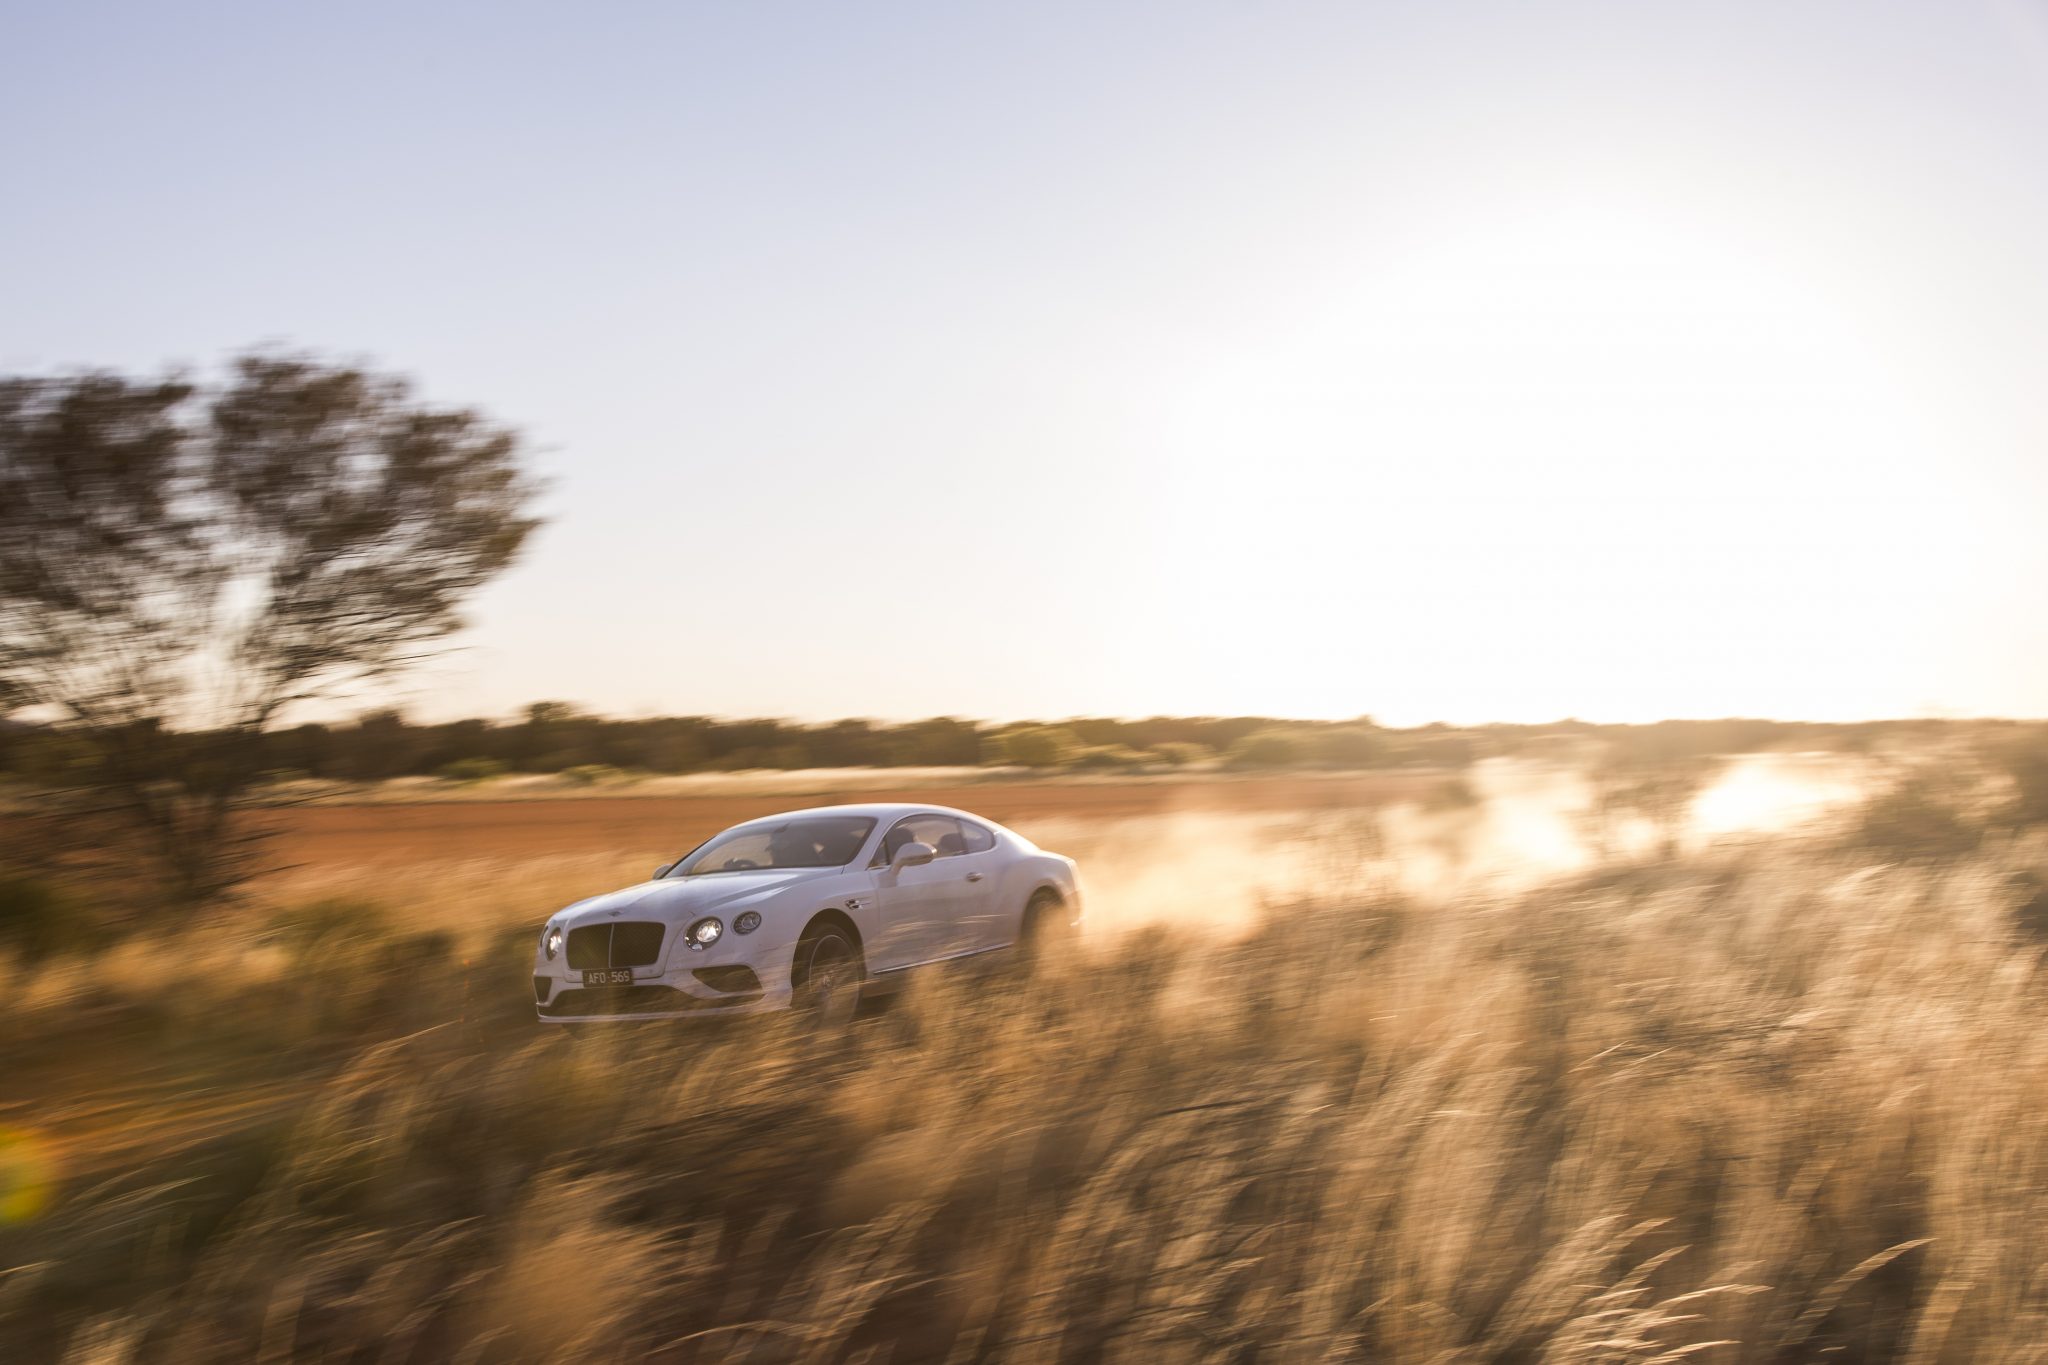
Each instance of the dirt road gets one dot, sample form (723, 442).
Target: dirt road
(663, 826)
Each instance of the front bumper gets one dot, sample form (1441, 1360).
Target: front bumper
(559, 995)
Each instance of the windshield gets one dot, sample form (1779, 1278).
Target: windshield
(808, 841)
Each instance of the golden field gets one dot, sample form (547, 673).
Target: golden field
(1340, 1071)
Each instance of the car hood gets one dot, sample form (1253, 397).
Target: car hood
(683, 898)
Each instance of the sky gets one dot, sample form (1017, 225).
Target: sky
(1434, 361)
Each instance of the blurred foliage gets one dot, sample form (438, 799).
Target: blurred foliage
(1501, 1125)
(471, 770)
(592, 774)
(1453, 794)
(1037, 746)
(1349, 746)
(1926, 806)
(1109, 758)
(552, 737)
(382, 745)
(2023, 759)
(1273, 748)
(1649, 777)
(1495, 1127)
(182, 563)
(39, 918)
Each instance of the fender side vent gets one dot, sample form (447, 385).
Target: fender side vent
(728, 978)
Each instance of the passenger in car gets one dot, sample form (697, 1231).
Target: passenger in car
(838, 847)
(788, 848)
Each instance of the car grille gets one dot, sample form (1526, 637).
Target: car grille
(634, 943)
(577, 1003)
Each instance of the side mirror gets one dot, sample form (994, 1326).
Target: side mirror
(661, 872)
(912, 854)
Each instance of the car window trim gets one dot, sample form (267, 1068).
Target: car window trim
(674, 867)
(880, 861)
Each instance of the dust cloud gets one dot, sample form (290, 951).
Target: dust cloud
(1508, 826)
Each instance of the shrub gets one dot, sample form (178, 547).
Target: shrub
(333, 917)
(1439, 750)
(1923, 813)
(1040, 746)
(38, 919)
(1651, 788)
(1455, 795)
(1349, 746)
(467, 770)
(590, 774)
(1267, 749)
(1180, 754)
(1107, 757)
(2025, 764)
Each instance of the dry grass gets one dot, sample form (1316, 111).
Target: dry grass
(1781, 1097)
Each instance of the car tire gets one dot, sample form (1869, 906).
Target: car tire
(1046, 930)
(832, 971)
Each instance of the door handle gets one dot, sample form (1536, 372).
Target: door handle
(974, 876)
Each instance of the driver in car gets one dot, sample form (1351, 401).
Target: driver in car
(789, 848)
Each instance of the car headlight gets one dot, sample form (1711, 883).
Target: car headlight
(747, 923)
(705, 932)
(551, 941)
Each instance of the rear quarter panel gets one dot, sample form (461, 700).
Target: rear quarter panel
(1025, 877)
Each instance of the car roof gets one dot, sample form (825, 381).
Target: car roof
(878, 810)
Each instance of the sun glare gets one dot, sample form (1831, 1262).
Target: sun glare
(1582, 459)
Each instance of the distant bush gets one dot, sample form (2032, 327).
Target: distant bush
(1108, 757)
(1457, 794)
(472, 770)
(1645, 787)
(1177, 754)
(1350, 746)
(1268, 749)
(1927, 811)
(591, 774)
(674, 752)
(1040, 746)
(2025, 764)
(554, 736)
(38, 919)
(1438, 750)
(334, 917)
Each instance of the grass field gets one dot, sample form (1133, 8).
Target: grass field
(1335, 1075)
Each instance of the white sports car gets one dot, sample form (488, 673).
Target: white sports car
(804, 910)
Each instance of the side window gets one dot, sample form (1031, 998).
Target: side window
(979, 838)
(942, 832)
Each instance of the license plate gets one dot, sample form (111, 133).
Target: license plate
(615, 976)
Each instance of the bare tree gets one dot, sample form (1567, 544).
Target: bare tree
(180, 564)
